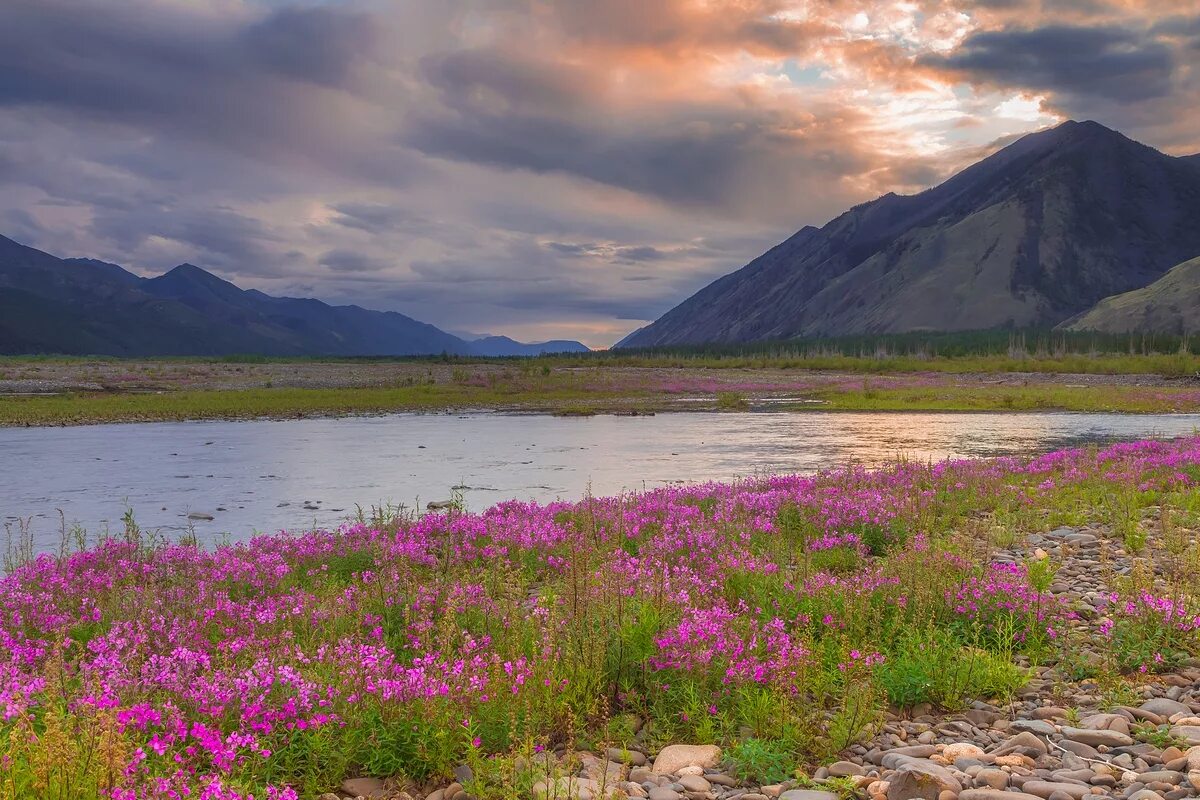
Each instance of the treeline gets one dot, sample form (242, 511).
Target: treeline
(933, 344)
(995, 346)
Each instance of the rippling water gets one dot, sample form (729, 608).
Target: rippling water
(271, 475)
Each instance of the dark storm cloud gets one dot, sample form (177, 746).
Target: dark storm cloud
(1113, 63)
(253, 83)
(373, 217)
(640, 254)
(142, 57)
(350, 261)
(228, 241)
(319, 45)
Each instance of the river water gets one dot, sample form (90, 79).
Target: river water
(273, 475)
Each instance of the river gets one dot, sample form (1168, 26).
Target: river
(270, 475)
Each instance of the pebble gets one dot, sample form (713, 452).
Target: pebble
(921, 779)
(1024, 743)
(991, 778)
(364, 787)
(1188, 733)
(694, 783)
(953, 752)
(1047, 788)
(633, 758)
(1036, 726)
(845, 769)
(1097, 738)
(1164, 707)
(663, 793)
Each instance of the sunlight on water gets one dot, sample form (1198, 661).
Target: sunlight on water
(271, 475)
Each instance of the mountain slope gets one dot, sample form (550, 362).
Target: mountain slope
(1169, 305)
(83, 306)
(1030, 236)
(504, 346)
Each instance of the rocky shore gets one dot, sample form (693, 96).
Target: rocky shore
(1058, 740)
(983, 753)
(999, 629)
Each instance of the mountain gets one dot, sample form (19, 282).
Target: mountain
(490, 344)
(1030, 236)
(504, 346)
(1169, 305)
(84, 306)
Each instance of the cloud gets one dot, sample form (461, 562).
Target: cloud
(320, 45)
(504, 109)
(374, 217)
(609, 252)
(349, 261)
(1111, 63)
(549, 169)
(221, 238)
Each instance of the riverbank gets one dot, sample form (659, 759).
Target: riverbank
(75, 392)
(930, 630)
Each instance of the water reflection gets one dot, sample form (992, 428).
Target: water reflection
(270, 475)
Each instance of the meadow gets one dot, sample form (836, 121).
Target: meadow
(791, 620)
(55, 391)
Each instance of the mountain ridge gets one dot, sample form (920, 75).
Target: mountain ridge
(1170, 304)
(82, 306)
(1033, 234)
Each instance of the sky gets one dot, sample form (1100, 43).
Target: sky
(536, 168)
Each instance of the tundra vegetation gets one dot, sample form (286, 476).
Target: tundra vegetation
(930, 372)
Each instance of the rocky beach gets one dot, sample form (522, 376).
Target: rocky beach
(1058, 740)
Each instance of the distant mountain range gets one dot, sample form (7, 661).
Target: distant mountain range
(84, 306)
(504, 346)
(1035, 235)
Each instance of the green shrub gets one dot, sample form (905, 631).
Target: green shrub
(761, 761)
(881, 539)
(835, 559)
(731, 401)
(940, 670)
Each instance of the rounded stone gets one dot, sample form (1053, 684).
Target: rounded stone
(953, 752)
(663, 793)
(807, 794)
(674, 757)
(992, 778)
(631, 757)
(845, 769)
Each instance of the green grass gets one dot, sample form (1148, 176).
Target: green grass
(561, 396)
(85, 408)
(909, 379)
(1169, 365)
(1127, 399)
